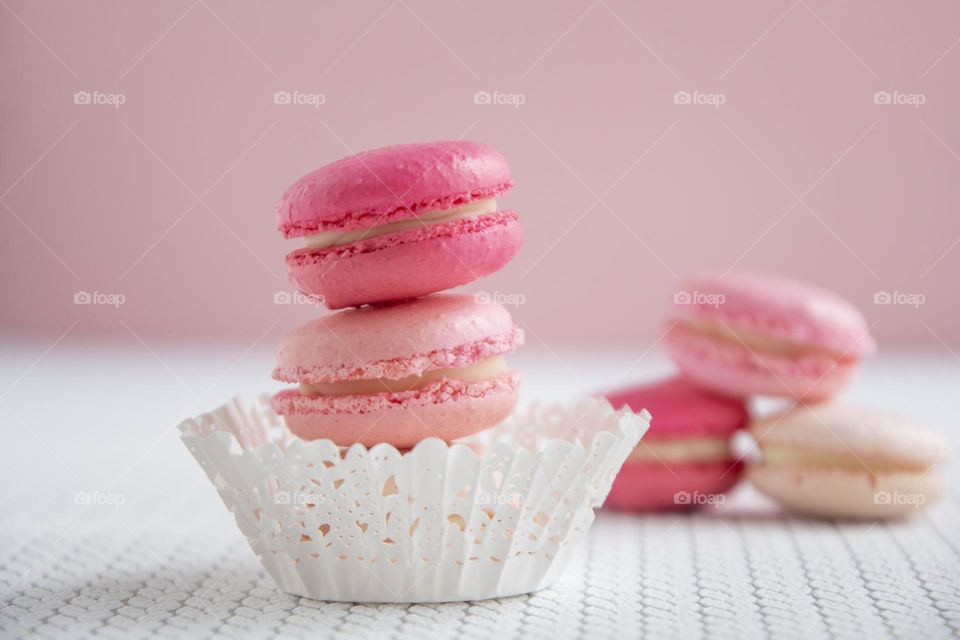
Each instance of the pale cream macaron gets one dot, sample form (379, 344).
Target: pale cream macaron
(846, 461)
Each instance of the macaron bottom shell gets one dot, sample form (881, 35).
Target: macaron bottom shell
(655, 486)
(736, 370)
(407, 264)
(848, 494)
(447, 409)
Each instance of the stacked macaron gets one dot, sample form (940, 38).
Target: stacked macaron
(685, 459)
(747, 334)
(380, 230)
(743, 335)
(399, 222)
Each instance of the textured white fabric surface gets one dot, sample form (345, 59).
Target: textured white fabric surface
(155, 554)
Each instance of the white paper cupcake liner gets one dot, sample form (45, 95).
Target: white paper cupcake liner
(436, 524)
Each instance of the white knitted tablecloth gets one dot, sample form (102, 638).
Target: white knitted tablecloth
(166, 560)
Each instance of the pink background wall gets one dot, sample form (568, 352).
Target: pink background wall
(168, 199)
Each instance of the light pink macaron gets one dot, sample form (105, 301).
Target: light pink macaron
(684, 460)
(399, 222)
(399, 373)
(744, 334)
(847, 461)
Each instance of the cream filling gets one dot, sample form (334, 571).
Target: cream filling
(682, 450)
(795, 457)
(485, 369)
(756, 341)
(473, 209)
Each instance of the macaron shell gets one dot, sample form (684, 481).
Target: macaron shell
(408, 264)
(392, 183)
(854, 431)
(733, 369)
(841, 493)
(446, 409)
(652, 486)
(777, 308)
(681, 408)
(397, 340)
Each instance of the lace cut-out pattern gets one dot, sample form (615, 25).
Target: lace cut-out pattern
(439, 523)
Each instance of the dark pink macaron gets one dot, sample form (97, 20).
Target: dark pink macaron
(399, 373)
(684, 460)
(399, 222)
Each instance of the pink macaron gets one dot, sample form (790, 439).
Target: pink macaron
(685, 459)
(744, 334)
(399, 373)
(399, 222)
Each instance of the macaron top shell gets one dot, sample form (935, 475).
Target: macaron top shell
(680, 408)
(392, 183)
(851, 430)
(776, 307)
(396, 340)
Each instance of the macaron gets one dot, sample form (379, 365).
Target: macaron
(399, 222)
(846, 461)
(399, 373)
(684, 460)
(745, 333)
